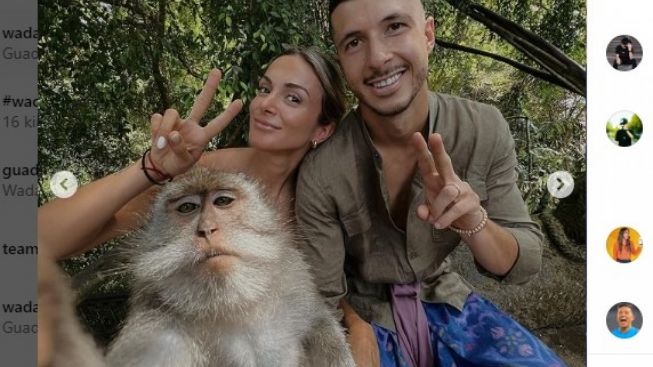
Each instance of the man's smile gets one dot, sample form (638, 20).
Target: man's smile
(386, 80)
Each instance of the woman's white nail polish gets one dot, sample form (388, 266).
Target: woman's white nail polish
(161, 142)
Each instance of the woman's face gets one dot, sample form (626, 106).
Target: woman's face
(626, 235)
(284, 114)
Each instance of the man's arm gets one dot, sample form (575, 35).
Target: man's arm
(323, 245)
(508, 243)
(324, 250)
(508, 211)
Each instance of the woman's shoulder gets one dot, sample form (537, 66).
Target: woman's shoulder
(228, 159)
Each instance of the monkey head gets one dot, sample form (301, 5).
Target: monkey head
(212, 245)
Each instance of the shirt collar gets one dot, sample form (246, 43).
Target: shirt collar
(433, 112)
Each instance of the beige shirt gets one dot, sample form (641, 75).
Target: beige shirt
(350, 239)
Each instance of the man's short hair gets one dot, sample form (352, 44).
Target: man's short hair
(333, 4)
(625, 304)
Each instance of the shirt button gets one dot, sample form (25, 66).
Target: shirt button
(412, 255)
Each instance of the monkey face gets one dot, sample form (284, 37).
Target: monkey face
(214, 215)
(211, 234)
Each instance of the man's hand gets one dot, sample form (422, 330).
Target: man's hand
(361, 338)
(178, 144)
(449, 200)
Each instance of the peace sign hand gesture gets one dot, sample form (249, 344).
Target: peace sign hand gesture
(449, 200)
(178, 144)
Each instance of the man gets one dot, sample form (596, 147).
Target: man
(625, 318)
(623, 136)
(624, 54)
(382, 210)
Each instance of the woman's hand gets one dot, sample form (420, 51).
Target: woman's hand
(109, 207)
(178, 144)
(360, 337)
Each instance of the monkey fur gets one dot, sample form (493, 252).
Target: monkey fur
(219, 282)
(61, 340)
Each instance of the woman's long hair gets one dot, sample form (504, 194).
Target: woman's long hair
(620, 239)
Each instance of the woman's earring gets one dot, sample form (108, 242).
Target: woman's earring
(314, 144)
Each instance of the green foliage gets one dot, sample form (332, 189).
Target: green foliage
(107, 66)
(553, 138)
(89, 90)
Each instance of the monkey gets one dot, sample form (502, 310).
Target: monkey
(61, 339)
(218, 281)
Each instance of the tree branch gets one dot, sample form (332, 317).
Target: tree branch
(157, 52)
(187, 66)
(517, 65)
(132, 6)
(549, 57)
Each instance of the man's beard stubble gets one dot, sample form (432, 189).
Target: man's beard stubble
(399, 108)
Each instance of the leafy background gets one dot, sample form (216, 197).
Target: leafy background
(106, 66)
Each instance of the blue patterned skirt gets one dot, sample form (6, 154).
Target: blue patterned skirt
(480, 335)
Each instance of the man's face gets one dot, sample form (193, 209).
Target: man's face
(383, 48)
(625, 317)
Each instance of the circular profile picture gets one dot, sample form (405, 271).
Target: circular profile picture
(624, 320)
(624, 245)
(624, 52)
(624, 128)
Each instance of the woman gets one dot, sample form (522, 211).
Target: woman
(624, 250)
(300, 99)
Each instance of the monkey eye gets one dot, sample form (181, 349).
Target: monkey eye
(187, 207)
(223, 200)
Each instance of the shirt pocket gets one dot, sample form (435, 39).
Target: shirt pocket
(357, 226)
(356, 222)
